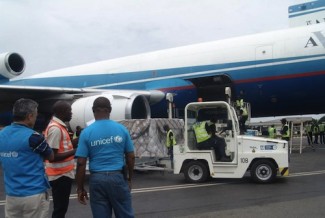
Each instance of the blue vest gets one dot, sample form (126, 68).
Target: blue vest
(24, 173)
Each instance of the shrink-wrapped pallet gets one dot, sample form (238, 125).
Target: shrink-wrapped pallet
(149, 136)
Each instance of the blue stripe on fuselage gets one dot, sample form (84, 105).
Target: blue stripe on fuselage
(239, 71)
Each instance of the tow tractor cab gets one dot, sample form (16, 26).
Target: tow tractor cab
(264, 158)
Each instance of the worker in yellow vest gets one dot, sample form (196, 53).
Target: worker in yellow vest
(285, 131)
(240, 103)
(206, 139)
(272, 132)
(242, 118)
(321, 127)
(315, 133)
(201, 132)
(309, 133)
(170, 142)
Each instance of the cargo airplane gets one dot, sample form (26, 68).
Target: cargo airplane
(280, 73)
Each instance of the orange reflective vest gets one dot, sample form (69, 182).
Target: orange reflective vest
(63, 166)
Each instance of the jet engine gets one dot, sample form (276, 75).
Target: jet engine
(11, 65)
(124, 106)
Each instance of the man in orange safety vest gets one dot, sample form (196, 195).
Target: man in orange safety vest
(60, 171)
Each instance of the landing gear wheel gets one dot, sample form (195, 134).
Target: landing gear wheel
(195, 172)
(263, 171)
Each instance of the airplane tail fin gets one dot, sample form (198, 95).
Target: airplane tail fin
(307, 13)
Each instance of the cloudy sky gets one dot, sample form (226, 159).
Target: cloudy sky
(52, 34)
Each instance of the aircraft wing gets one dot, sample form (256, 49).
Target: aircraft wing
(8, 92)
(14, 92)
(126, 104)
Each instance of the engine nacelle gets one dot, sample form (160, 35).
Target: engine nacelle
(11, 65)
(124, 106)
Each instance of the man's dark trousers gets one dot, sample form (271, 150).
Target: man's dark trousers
(61, 189)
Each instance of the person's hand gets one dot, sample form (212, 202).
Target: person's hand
(75, 142)
(82, 196)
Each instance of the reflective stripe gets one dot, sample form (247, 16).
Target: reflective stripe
(60, 164)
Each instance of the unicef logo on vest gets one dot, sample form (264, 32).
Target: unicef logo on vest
(118, 139)
(105, 141)
(13, 154)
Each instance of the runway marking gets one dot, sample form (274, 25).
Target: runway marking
(173, 187)
(307, 173)
(185, 186)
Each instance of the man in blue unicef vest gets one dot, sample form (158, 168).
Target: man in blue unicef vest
(108, 145)
(22, 151)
